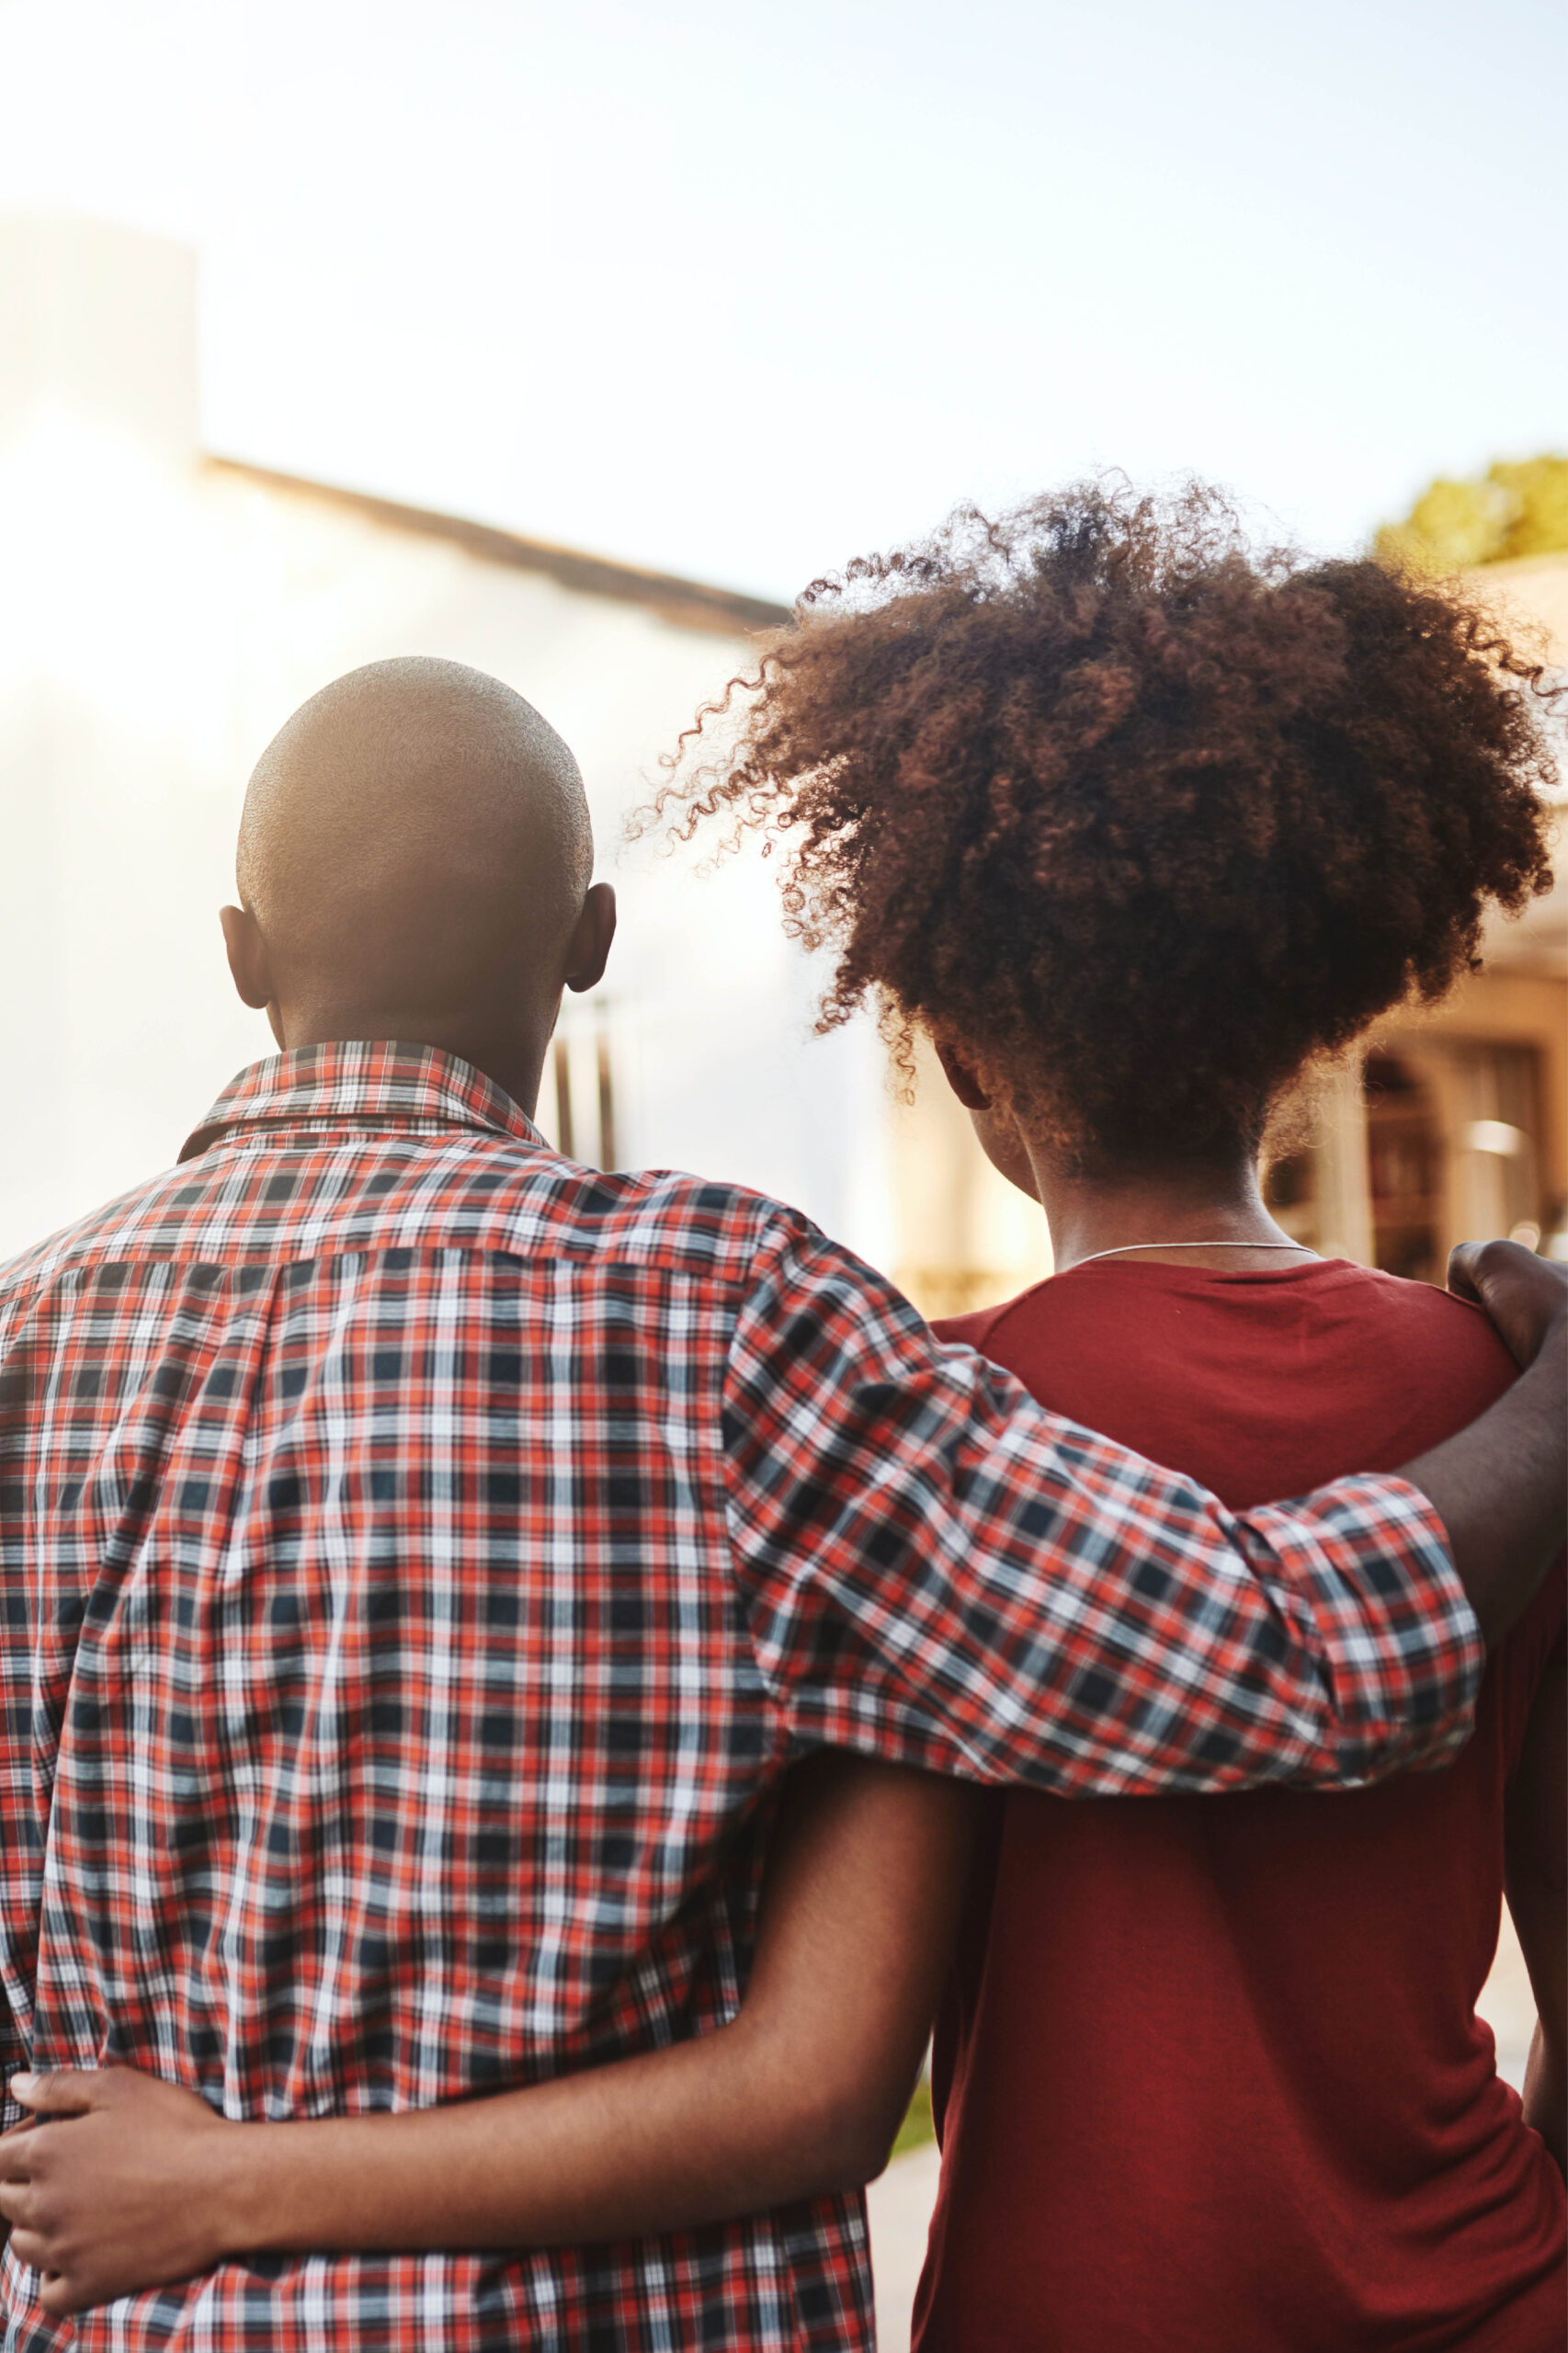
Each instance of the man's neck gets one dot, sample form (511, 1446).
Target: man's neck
(1123, 1210)
(511, 1059)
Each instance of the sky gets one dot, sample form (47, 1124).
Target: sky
(740, 291)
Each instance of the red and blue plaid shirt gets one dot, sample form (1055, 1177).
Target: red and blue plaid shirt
(422, 1559)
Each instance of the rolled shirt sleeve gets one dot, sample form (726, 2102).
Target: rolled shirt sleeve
(938, 1571)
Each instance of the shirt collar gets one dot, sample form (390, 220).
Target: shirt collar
(364, 1083)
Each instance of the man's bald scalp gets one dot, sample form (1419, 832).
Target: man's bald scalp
(414, 829)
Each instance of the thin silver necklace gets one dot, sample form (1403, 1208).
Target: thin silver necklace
(1123, 1248)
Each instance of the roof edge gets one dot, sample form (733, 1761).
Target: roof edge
(689, 604)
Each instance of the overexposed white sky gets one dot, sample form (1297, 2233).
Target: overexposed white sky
(742, 290)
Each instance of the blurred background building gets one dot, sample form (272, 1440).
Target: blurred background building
(1458, 1125)
(162, 611)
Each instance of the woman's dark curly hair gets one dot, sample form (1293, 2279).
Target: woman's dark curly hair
(1137, 821)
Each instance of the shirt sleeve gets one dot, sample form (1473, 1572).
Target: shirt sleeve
(940, 1573)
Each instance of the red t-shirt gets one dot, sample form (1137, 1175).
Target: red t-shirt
(1209, 2074)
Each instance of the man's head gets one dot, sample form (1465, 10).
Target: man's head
(413, 863)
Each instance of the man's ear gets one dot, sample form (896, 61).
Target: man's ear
(587, 950)
(961, 1079)
(247, 957)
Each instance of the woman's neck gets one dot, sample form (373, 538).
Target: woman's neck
(1125, 1209)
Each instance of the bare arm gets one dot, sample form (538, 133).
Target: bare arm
(1498, 1486)
(1537, 1838)
(800, 2094)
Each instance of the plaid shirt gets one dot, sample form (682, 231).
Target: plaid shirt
(423, 1558)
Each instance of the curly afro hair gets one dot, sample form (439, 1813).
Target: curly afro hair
(1137, 821)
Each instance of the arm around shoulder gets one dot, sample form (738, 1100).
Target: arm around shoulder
(936, 1567)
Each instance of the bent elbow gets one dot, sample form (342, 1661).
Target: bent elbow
(854, 2136)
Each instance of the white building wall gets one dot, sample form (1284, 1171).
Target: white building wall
(160, 616)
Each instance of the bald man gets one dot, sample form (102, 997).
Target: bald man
(415, 861)
(424, 1558)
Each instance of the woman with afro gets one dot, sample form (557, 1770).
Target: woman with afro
(1136, 827)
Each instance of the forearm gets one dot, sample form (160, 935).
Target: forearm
(1498, 1488)
(799, 2095)
(1545, 2093)
(678, 2137)
(124, 2182)
(1535, 1875)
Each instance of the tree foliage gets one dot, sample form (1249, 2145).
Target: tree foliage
(1511, 510)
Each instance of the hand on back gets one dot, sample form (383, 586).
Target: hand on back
(1526, 1297)
(111, 2189)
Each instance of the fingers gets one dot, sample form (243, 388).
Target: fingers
(39, 2248)
(16, 2200)
(1525, 1296)
(70, 2091)
(59, 2292)
(64, 2285)
(1464, 1263)
(1474, 1267)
